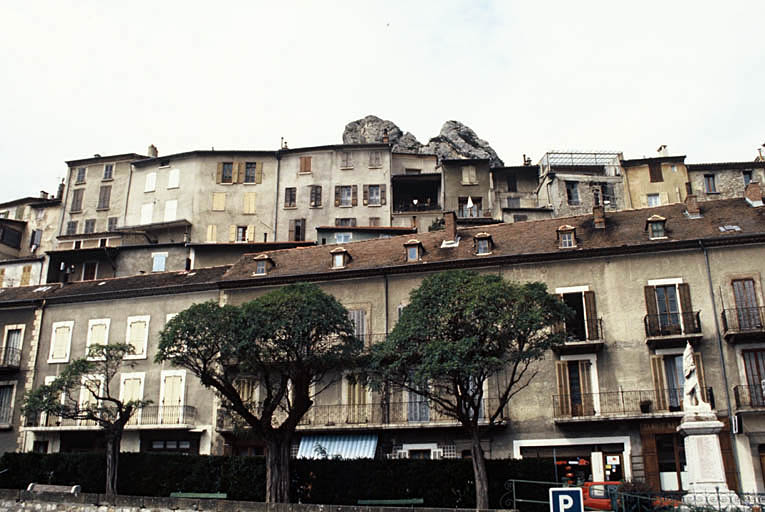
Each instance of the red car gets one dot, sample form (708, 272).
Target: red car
(597, 496)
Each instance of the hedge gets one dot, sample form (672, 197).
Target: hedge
(442, 483)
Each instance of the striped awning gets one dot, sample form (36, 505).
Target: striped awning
(357, 446)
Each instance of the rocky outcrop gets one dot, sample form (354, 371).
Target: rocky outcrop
(455, 140)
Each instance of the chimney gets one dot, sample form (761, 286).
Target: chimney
(599, 216)
(692, 206)
(663, 150)
(450, 226)
(60, 191)
(43, 194)
(753, 193)
(152, 151)
(385, 140)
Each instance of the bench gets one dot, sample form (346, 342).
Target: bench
(66, 489)
(200, 495)
(392, 503)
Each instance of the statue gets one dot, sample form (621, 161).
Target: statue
(692, 399)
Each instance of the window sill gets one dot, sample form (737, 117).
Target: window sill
(468, 184)
(375, 166)
(290, 207)
(483, 253)
(712, 193)
(225, 183)
(75, 211)
(171, 188)
(658, 238)
(316, 207)
(345, 206)
(102, 209)
(58, 361)
(304, 172)
(148, 191)
(134, 356)
(250, 183)
(346, 168)
(107, 179)
(255, 274)
(79, 183)
(376, 205)
(248, 213)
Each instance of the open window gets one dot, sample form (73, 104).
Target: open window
(584, 324)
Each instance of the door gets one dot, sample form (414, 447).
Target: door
(673, 367)
(669, 313)
(131, 392)
(754, 364)
(747, 312)
(575, 329)
(12, 351)
(172, 399)
(356, 401)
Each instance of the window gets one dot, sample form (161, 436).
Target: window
(346, 195)
(608, 192)
(158, 261)
(512, 183)
(297, 230)
(315, 196)
(61, 337)
(35, 238)
(249, 203)
(131, 390)
(669, 309)
(174, 178)
(749, 316)
(754, 365)
(241, 233)
(710, 187)
(137, 336)
(250, 169)
(71, 227)
(572, 193)
(227, 172)
(98, 334)
(171, 208)
(10, 237)
(747, 177)
(26, 275)
(374, 195)
(413, 249)
(520, 218)
(81, 172)
(483, 243)
(77, 200)
(656, 229)
(670, 452)
(338, 259)
(171, 392)
(151, 182)
(290, 197)
(513, 202)
(584, 324)
(375, 159)
(78, 244)
(343, 238)
(655, 173)
(211, 233)
(147, 213)
(6, 403)
(260, 267)
(4, 214)
(346, 160)
(359, 319)
(90, 225)
(345, 221)
(14, 336)
(89, 270)
(469, 175)
(567, 239)
(374, 221)
(469, 207)
(305, 164)
(108, 171)
(104, 194)
(653, 200)
(111, 224)
(218, 201)
(576, 381)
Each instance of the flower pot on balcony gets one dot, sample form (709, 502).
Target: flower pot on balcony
(645, 406)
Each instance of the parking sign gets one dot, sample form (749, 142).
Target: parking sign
(566, 499)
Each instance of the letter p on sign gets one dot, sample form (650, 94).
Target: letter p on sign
(566, 499)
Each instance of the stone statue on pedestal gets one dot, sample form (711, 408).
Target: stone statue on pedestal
(692, 397)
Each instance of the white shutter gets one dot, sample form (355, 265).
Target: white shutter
(211, 233)
(60, 338)
(147, 213)
(174, 178)
(137, 334)
(170, 209)
(151, 182)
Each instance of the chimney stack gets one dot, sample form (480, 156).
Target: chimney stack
(385, 139)
(663, 150)
(753, 192)
(692, 206)
(43, 194)
(60, 191)
(599, 216)
(450, 226)
(153, 153)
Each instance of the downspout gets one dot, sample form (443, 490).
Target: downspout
(722, 363)
(387, 329)
(33, 363)
(276, 192)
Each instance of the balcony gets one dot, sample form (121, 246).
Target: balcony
(742, 325)
(152, 416)
(672, 330)
(751, 398)
(10, 360)
(583, 343)
(621, 405)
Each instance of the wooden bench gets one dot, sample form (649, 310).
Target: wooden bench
(41, 488)
(200, 495)
(392, 503)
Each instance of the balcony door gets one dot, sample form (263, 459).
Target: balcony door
(418, 409)
(132, 391)
(575, 396)
(747, 312)
(754, 364)
(669, 312)
(12, 350)
(171, 400)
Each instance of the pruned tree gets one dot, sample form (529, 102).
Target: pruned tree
(285, 342)
(84, 392)
(460, 329)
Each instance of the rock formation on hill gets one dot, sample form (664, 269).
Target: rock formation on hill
(454, 141)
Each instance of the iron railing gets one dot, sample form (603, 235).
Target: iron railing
(11, 357)
(419, 207)
(669, 324)
(622, 402)
(6, 416)
(744, 319)
(748, 397)
(594, 331)
(147, 416)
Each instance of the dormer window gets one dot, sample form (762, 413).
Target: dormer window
(655, 225)
(340, 257)
(567, 237)
(483, 243)
(262, 264)
(413, 250)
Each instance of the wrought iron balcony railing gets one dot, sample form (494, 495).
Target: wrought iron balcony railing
(749, 397)
(10, 358)
(148, 416)
(744, 319)
(629, 403)
(672, 324)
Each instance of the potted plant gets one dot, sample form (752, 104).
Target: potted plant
(645, 406)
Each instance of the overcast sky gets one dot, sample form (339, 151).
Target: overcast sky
(84, 77)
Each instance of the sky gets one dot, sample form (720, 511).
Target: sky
(86, 77)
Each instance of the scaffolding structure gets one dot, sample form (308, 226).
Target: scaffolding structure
(609, 160)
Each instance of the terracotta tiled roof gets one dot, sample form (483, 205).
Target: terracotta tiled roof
(719, 166)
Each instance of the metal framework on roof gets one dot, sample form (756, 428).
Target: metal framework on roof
(579, 158)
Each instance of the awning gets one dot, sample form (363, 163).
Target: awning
(359, 446)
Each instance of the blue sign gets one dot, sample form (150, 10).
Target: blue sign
(566, 499)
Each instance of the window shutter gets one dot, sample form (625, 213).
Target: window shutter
(366, 195)
(60, 342)
(137, 336)
(240, 172)
(131, 390)
(232, 233)
(259, 172)
(592, 316)
(651, 308)
(337, 195)
(2, 276)
(219, 173)
(353, 222)
(292, 230)
(659, 382)
(26, 274)
(249, 202)
(251, 232)
(585, 381)
(211, 233)
(664, 197)
(684, 290)
(219, 201)
(564, 399)
(382, 193)
(473, 178)
(700, 375)
(355, 195)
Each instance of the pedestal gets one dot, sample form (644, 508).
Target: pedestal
(706, 473)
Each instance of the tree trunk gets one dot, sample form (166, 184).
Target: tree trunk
(278, 470)
(112, 461)
(479, 473)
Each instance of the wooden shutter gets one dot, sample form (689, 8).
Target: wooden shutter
(585, 382)
(171, 395)
(219, 173)
(338, 191)
(131, 389)
(652, 310)
(26, 275)
(239, 172)
(355, 195)
(654, 172)
(97, 335)
(259, 172)
(592, 316)
(700, 375)
(251, 233)
(60, 342)
(219, 201)
(2, 276)
(564, 394)
(211, 233)
(650, 457)
(249, 202)
(291, 235)
(366, 195)
(137, 336)
(232, 233)
(382, 193)
(659, 383)
(686, 308)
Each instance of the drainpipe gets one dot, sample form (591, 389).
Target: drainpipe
(276, 192)
(722, 362)
(33, 362)
(387, 330)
